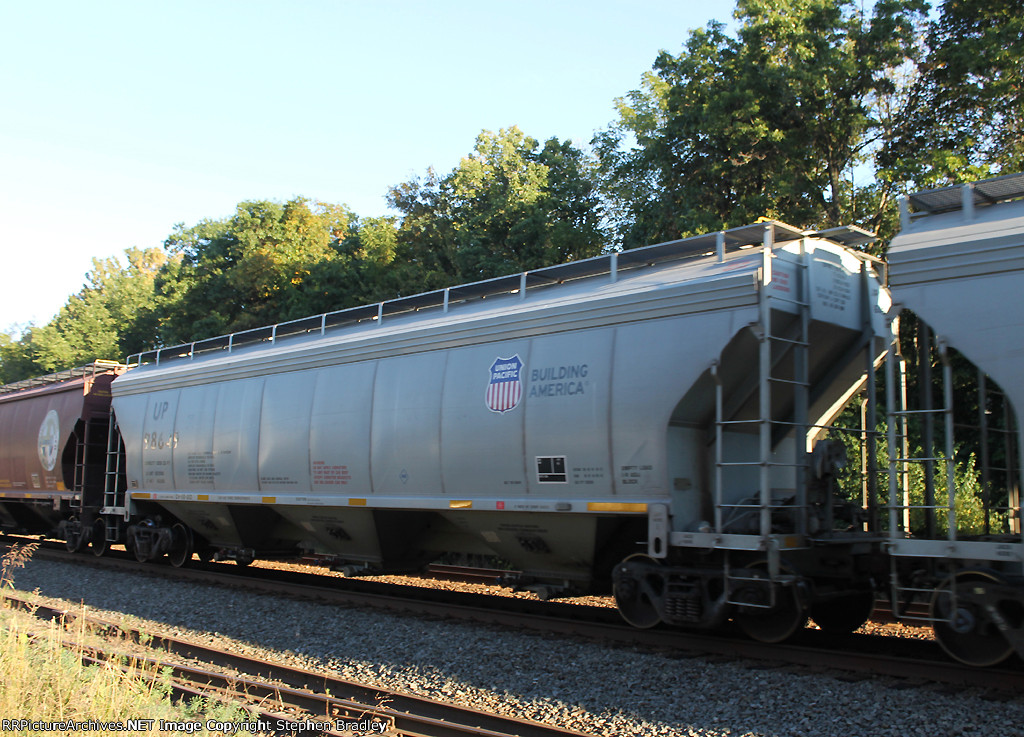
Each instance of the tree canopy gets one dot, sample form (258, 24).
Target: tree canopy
(962, 113)
(771, 122)
(813, 112)
(117, 309)
(249, 269)
(509, 206)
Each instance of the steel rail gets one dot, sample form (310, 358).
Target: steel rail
(920, 661)
(193, 683)
(183, 682)
(469, 574)
(316, 694)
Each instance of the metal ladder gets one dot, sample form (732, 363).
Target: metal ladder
(901, 459)
(772, 350)
(81, 459)
(113, 492)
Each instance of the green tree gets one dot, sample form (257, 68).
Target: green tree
(16, 358)
(628, 152)
(361, 271)
(770, 122)
(963, 118)
(114, 314)
(510, 205)
(247, 270)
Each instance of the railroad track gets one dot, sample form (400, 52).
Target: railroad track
(288, 699)
(918, 661)
(468, 574)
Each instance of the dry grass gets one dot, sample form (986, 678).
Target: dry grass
(43, 679)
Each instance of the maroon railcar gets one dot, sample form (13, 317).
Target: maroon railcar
(53, 449)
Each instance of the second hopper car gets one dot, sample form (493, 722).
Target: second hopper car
(54, 432)
(956, 381)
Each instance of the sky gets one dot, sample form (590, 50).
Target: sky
(119, 120)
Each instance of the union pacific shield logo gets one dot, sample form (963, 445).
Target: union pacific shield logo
(505, 388)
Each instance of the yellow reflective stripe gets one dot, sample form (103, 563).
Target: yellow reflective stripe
(460, 504)
(616, 506)
(357, 502)
(270, 500)
(203, 497)
(141, 495)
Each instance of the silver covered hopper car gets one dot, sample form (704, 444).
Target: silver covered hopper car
(954, 528)
(649, 417)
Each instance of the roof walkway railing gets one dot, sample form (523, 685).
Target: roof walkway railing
(963, 197)
(91, 370)
(767, 232)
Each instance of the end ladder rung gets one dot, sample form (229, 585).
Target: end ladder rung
(758, 506)
(788, 381)
(770, 464)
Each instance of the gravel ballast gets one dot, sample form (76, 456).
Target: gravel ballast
(588, 687)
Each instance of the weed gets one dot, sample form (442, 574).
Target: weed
(17, 557)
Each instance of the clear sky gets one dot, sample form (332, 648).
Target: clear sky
(120, 119)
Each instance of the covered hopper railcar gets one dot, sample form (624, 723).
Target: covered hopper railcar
(53, 451)
(954, 537)
(650, 416)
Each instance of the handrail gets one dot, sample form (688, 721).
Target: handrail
(960, 197)
(610, 265)
(91, 370)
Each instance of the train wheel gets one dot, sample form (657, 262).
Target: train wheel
(845, 614)
(244, 559)
(181, 545)
(767, 620)
(637, 587)
(968, 633)
(98, 538)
